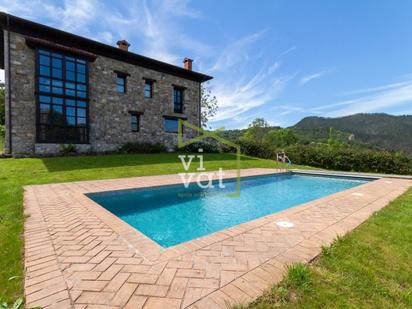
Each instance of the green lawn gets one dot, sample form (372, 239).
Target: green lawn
(369, 268)
(16, 173)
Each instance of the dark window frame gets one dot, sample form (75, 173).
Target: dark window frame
(178, 106)
(150, 82)
(172, 118)
(64, 133)
(137, 117)
(123, 77)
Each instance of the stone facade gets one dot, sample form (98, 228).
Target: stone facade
(109, 110)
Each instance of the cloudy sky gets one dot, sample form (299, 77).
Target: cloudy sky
(281, 60)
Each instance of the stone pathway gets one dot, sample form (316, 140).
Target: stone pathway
(78, 255)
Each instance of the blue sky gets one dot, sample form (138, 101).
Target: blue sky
(281, 60)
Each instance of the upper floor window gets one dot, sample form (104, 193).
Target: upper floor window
(171, 125)
(148, 88)
(121, 83)
(62, 98)
(134, 121)
(178, 100)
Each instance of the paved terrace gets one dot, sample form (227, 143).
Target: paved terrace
(78, 255)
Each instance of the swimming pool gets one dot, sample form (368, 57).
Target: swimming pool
(171, 215)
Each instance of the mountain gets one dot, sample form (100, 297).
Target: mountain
(383, 131)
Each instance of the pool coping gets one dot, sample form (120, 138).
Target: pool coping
(215, 269)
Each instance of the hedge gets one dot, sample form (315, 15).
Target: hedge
(351, 159)
(343, 158)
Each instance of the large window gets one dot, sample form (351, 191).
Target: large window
(171, 125)
(62, 98)
(178, 100)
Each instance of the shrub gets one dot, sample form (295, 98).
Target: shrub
(350, 159)
(208, 146)
(257, 149)
(142, 147)
(68, 149)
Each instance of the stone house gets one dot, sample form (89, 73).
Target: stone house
(66, 89)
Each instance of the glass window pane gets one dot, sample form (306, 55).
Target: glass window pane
(43, 88)
(44, 107)
(57, 55)
(71, 102)
(58, 109)
(120, 81)
(57, 90)
(45, 71)
(44, 81)
(44, 99)
(44, 60)
(81, 68)
(81, 112)
(70, 92)
(56, 63)
(81, 78)
(58, 101)
(44, 52)
(69, 66)
(81, 103)
(70, 111)
(81, 121)
(81, 87)
(119, 88)
(71, 121)
(81, 94)
(57, 73)
(57, 83)
(70, 75)
(71, 85)
(171, 125)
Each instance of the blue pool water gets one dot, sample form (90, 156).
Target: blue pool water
(171, 215)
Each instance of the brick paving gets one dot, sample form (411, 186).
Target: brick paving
(78, 255)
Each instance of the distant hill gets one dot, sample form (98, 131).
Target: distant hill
(381, 131)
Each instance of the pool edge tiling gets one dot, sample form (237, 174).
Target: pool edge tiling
(78, 255)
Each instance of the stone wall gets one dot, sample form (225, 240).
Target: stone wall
(23, 106)
(109, 110)
(109, 115)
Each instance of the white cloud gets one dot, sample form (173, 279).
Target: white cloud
(2, 78)
(287, 51)
(236, 52)
(152, 27)
(377, 99)
(306, 79)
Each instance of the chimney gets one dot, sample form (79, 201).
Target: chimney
(123, 44)
(187, 64)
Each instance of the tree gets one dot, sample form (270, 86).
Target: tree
(208, 104)
(257, 130)
(281, 137)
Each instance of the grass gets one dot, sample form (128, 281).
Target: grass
(368, 268)
(16, 173)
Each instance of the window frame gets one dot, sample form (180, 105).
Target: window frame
(181, 103)
(122, 76)
(137, 115)
(172, 118)
(148, 81)
(81, 131)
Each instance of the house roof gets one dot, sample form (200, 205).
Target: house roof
(75, 42)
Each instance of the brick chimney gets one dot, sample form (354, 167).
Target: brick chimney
(187, 64)
(123, 44)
